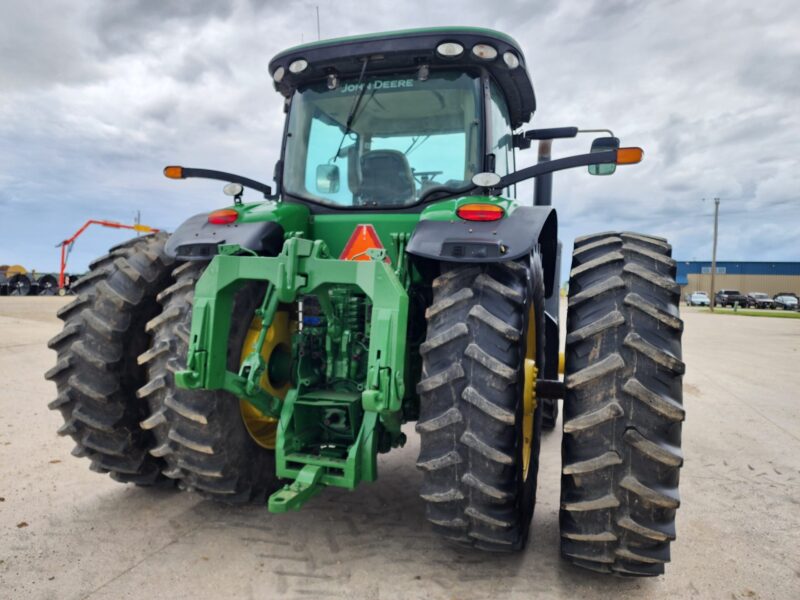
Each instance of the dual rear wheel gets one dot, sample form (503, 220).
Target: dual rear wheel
(622, 410)
(209, 441)
(623, 407)
(96, 373)
(479, 424)
(124, 336)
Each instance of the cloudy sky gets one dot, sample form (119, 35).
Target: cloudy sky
(97, 96)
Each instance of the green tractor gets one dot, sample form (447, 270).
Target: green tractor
(272, 348)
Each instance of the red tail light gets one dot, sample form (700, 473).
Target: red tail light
(224, 216)
(480, 212)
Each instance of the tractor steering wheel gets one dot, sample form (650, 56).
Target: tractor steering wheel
(423, 177)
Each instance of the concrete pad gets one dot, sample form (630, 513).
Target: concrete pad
(66, 532)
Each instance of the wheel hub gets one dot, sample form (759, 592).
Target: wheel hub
(529, 394)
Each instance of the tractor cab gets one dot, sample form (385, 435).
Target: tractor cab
(401, 119)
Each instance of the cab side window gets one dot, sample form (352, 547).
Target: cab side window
(321, 138)
(501, 135)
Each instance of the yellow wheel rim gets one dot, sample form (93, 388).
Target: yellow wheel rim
(529, 394)
(264, 429)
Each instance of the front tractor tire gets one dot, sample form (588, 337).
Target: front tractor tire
(479, 449)
(623, 405)
(96, 372)
(200, 434)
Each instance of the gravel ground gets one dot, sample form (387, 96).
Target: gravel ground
(66, 532)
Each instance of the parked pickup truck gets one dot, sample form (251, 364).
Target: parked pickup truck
(729, 298)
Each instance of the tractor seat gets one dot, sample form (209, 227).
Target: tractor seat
(386, 179)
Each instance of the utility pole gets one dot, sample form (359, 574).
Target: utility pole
(714, 252)
(319, 37)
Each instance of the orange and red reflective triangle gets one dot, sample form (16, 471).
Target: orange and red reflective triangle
(364, 238)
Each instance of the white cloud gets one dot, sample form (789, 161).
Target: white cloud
(97, 99)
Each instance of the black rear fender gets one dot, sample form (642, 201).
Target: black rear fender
(197, 239)
(510, 238)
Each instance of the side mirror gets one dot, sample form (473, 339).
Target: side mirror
(604, 144)
(327, 179)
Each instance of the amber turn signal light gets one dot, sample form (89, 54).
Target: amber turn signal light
(629, 156)
(480, 212)
(173, 172)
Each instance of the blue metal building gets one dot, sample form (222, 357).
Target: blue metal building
(770, 277)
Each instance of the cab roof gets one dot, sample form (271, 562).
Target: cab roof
(406, 50)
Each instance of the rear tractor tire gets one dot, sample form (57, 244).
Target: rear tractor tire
(623, 406)
(201, 435)
(96, 373)
(479, 436)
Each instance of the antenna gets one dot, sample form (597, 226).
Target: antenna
(319, 37)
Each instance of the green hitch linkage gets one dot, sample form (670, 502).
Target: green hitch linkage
(253, 366)
(302, 267)
(301, 490)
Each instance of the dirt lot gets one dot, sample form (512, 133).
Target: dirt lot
(66, 532)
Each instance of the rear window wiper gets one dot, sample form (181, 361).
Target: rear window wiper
(353, 108)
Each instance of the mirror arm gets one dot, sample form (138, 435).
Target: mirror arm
(229, 177)
(570, 162)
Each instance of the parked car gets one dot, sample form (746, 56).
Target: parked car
(698, 299)
(729, 298)
(786, 301)
(759, 300)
